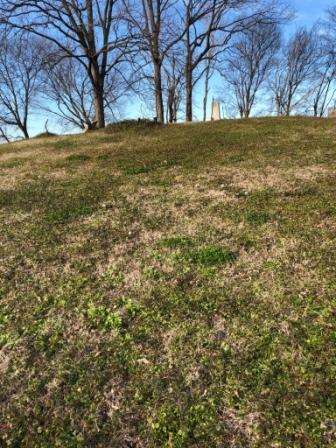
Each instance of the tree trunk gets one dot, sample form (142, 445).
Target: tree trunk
(158, 93)
(188, 71)
(206, 91)
(288, 107)
(189, 93)
(315, 110)
(99, 106)
(98, 96)
(278, 107)
(170, 104)
(175, 110)
(24, 131)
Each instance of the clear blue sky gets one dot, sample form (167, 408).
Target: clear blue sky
(307, 13)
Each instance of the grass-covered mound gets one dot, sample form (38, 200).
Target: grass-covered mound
(45, 134)
(170, 288)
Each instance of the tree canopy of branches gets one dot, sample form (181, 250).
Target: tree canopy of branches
(208, 28)
(153, 32)
(21, 62)
(173, 76)
(249, 61)
(90, 54)
(323, 83)
(294, 68)
(196, 30)
(68, 93)
(324, 88)
(89, 31)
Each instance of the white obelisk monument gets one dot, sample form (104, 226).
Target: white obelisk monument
(215, 110)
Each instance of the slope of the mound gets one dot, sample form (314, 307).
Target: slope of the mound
(170, 287)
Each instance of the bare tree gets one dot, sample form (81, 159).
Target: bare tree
(293, 70)
(201, 21)
(209, 25)
(89, 31)
(248, 63)
(67, 89)
(173, 76)
(20, 68)
(154, 33)
(323, 89)
(67, 93)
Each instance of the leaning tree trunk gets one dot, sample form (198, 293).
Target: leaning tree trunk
(24, 130)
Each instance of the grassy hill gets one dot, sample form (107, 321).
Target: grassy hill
(170, 287)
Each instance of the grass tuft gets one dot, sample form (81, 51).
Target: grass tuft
(213, 256)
